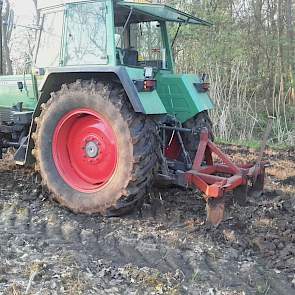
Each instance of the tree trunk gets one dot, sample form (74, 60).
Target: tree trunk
(7, 30)
(280, 31)
(1, 39)
(291, 49)
(38, 16)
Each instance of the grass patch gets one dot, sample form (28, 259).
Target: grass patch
(253, 144)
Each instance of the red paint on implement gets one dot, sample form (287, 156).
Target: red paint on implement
(81, 170)
(206, 178)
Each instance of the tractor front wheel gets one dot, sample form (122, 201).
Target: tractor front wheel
(94, 153)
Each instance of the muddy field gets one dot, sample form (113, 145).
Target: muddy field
(165, 249)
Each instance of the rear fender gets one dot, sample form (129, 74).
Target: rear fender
(55, 78)
(180, 95)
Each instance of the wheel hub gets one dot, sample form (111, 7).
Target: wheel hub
(92, 149)
(85, 150)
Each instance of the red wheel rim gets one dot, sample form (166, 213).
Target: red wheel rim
(85, 150)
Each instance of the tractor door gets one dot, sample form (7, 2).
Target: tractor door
(48, 53)
(86, 30)
(74, 35)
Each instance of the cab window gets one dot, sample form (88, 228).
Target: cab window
(50, 40)
(86, 34)
(141, 45)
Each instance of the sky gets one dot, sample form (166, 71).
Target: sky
(23, 11)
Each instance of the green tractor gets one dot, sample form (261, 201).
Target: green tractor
(103, 114)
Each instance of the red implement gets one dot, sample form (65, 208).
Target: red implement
(214, 180)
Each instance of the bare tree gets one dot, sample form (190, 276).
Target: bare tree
(24, 41)
(7, 27)
(32, 34)
(37, 13)
(1, 38)
(291, 47)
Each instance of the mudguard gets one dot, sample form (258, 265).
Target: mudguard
(180, 95)
(56, 77)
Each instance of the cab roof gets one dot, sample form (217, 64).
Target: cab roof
(161, 12)
(143, 12)
(46, 4)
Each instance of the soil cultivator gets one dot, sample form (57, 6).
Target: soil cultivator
(217, 179)
(103, 111)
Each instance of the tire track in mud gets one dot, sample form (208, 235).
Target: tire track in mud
(27, 215)
(31, 218)
(18, 220)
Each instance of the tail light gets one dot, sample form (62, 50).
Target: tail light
(206, 86)
(202, 87)
(147, 85)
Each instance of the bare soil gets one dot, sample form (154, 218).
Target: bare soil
(167, 248)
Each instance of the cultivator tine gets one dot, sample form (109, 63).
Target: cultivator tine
(258, 183)
(259, 175)
(265, 139)
(215, 210)
(240, 195)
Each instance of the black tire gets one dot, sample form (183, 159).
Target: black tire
(135, 134)
(197, 123)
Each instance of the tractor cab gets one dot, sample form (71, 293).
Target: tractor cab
(141, 45)
(141, 36)
(128, 39)
(107, 32)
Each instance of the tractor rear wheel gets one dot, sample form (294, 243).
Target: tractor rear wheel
(94, 153)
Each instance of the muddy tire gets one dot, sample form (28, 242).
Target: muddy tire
(100, 161)
(191, 142)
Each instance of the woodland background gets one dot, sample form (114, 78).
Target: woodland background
(249, 54)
